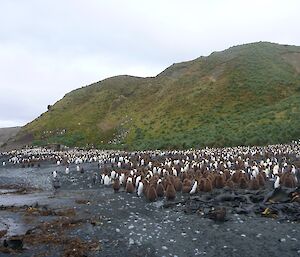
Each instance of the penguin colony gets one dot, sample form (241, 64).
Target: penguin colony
(158, 174)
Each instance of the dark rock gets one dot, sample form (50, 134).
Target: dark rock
(13, 243)
(218, 214)
(281, 195)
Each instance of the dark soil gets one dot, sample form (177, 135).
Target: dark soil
(86, 219)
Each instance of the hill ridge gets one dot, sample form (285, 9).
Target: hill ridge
(246, 94)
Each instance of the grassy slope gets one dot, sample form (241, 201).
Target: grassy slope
(7, 133)
(249, 94)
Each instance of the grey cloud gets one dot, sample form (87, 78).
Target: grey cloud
(50, 47)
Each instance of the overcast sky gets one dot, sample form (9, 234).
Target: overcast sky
(50, 47)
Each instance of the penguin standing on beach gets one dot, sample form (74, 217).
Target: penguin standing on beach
(107, 180)
(129, 186)
(194, 188)
(160, 191)
(116, 185)
(54, 174)
(56, 183)
(140, 189)
(277, 182)
(81, 170)
(170, 192)
(95, 178)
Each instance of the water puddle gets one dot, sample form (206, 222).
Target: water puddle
(8, 191)
(12, 224)
(26, 199)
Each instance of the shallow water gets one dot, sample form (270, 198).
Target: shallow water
(31, 177)
(6, 191)
(12, 222)
(24, 199)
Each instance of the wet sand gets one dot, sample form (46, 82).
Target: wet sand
(82, 218)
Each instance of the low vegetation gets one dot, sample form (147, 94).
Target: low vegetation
(245, 95)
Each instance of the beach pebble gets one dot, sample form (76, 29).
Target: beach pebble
(164, 247)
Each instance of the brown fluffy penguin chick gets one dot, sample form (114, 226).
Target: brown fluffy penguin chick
(201, 185)
(220, 181)
(171, 179)
(289, 181)
(160, 191)
(164, 183)
(254, 184)
(243, 184)
(182, 176)
(129, 187)
(236, 177)
(116, 185)
(208, 185)
(177, 184)
(229, 183)
(170, 192)
(213, 180)
(261, 179)
(146, 185)
(151, 193)
(227, 174)
(186, 186)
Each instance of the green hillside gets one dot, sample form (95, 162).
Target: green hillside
(245, 95)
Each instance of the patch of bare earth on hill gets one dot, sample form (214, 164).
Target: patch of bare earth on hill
(17, 142)
(117, 102)
(106, 125)
(7, 133)
(217, 73)
(293, 59)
